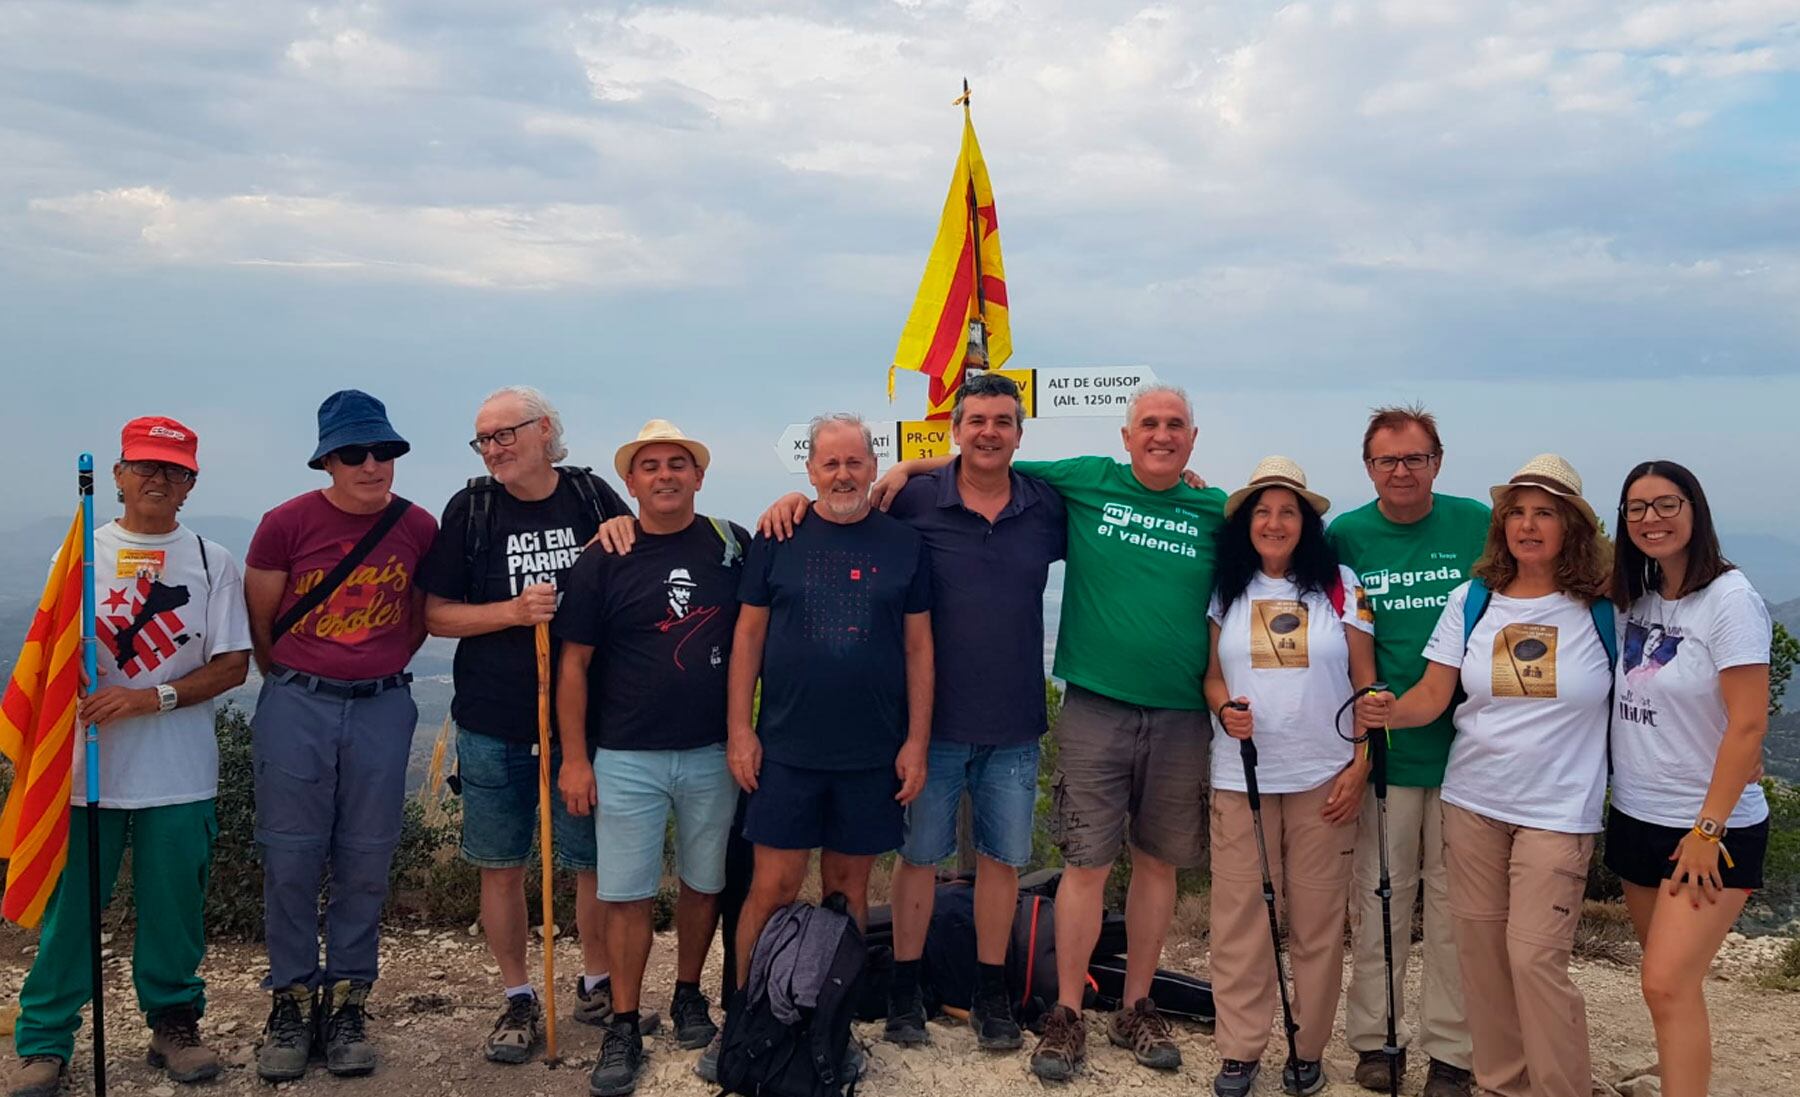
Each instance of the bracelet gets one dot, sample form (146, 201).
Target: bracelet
(1716, 840)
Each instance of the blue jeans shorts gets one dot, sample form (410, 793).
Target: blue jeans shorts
(1002, 787)
(500, 804)
(637, 791)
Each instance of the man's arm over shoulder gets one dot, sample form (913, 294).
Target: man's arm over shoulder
(1065, 472)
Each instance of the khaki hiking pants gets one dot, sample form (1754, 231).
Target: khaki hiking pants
(1515, 894)
(1309, 863)
(1415, 856)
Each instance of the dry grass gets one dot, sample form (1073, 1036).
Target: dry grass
(1784, 972)
(1193, 918)
(1605, 933)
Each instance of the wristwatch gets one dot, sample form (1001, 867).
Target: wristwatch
(1709, 828)
(166, 700)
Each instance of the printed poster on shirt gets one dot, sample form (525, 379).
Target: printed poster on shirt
(1277, 634)
(1525, 661)
(140, 563)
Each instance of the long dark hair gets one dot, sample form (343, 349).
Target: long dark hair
(1314, 566)
(1634, 574)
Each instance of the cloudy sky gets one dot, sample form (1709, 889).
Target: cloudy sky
(1570, 225)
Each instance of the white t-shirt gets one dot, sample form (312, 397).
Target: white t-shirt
(1530, 746)
(160, 617)
(1670, 717)
(1290, 657)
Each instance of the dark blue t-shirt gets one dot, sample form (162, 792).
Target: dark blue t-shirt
(834, 663)
(987, 604)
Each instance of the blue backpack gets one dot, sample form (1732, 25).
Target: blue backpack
(1602, 611)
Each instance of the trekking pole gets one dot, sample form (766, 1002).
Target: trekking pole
(1247, 748)
(542, 636)
(91, 743)
(1378, 751)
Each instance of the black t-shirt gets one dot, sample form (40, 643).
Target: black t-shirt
(660, 622)
(834, 663)
(536, 542)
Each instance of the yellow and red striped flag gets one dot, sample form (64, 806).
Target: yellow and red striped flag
(37, 732)
(964, 280)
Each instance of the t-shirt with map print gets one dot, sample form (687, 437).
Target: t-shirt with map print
(1140, 576)
(528, 542)
(363, 629)
(1408, 572)
(161, 615)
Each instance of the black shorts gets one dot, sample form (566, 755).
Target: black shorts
(848, 811)
(1638, 852)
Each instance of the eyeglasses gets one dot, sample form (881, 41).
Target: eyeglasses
(1413, 461)
(381, 451)
(505, 436)
(148, 470)
(1666, 506)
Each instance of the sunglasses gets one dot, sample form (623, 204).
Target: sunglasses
(356, 455)
(149, 470)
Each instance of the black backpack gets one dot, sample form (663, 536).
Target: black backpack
(762, 1057)
(478, 535)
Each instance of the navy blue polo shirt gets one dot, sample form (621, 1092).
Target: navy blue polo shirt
(987, 604)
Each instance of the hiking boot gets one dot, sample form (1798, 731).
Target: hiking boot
(906, 1020)
(1149, 1037)
(39, 1076)
(287, 1039)
(1444, 1080)
(1236, 1077)
(621, 1060)
(691, 1014)
(1372, 1069)
(990, 1015)
(342, 1019)
(595, 1007)
(1062, 1048)
(175, 1046)
(708, 1066)
(1302, 1077)
(518, 1032)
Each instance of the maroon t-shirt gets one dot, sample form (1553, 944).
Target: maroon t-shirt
(363, 630)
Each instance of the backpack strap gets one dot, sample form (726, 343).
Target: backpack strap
(478, 534)
(581, 478)
(205, 568)
(733, 550)
(1606, 625)
(1336, 593)
(1474, 607)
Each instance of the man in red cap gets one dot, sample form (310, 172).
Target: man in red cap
(173, 635)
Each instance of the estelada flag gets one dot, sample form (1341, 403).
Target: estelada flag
(37, 732)
(964, 279)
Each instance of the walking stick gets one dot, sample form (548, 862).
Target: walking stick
(542, 635)
(1384, 887)
(90, 663)
(1247, 747)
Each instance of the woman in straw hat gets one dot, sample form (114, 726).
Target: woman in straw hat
(1693, 694)
(1530, 641)
(1291, 636)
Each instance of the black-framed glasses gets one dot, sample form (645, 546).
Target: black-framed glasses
(147, 470)
(1413, 462)
(381, 451)
(505, 436)
(1665, 506)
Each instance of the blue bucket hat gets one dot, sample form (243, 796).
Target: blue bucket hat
(351, 417)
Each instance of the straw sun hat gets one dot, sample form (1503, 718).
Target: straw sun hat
(1277, 472)
(659, 430)
(1551, 473)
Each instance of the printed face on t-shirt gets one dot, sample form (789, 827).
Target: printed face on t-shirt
(1648, 648)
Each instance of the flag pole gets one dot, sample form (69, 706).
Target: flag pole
(541, 637)
(90, 663)
(977, 345)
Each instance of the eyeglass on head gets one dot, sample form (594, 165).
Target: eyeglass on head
(505, 436)
(356, 455)
(147, 470)
(1413, 461)
(1665, 506)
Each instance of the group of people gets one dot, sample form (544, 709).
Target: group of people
(841, 680)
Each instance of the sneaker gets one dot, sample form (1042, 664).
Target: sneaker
(1062, 1048)
(990, 1015)
(621, 1060)
(519, 1030)
(1444, 1080)
(287, 1039)
(1236, 1077)
(39, 1076)
(1302, 1077)
(691, 1014)
(1372, 1069)
(595, 1007)
(343, 1017)
(708, 1066)
(1149, 1037)
(906, 1021)
(176, 1048)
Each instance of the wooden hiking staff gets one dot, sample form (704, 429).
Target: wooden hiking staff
(542, 635)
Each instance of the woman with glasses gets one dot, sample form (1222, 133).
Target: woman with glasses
(1688, 824)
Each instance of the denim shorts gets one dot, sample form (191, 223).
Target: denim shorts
(1002, 787)
(637, 790)
(847, 811)
(500, 803)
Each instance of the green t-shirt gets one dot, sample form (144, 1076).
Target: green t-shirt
(1408, 572)
(1140, 573)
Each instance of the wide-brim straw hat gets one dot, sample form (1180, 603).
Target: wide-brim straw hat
(1277, 472)
(659, 430)
(1552, 473)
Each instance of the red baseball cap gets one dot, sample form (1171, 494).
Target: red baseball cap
(158, 438)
